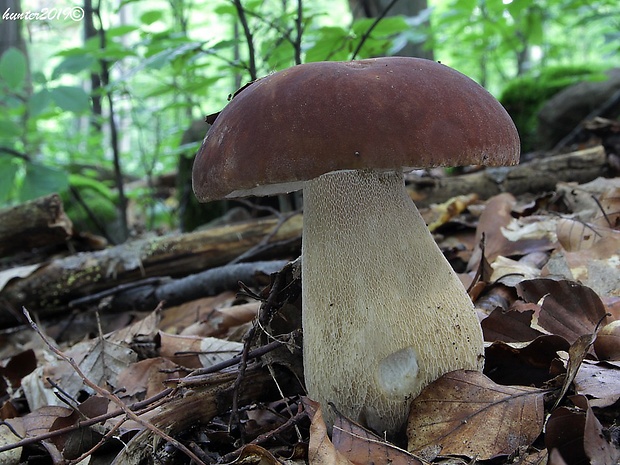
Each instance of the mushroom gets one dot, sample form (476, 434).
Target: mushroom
(384, 314)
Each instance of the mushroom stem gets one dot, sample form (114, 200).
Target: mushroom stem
(384, 314)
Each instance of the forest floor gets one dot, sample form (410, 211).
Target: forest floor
(145, 359)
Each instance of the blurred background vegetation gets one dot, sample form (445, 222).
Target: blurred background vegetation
(104, 101)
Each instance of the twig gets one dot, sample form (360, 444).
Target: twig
(248, 38)
(261, 439)
(372, 26)
(196, 377)
(265, 313)
(299, 29)
(138, 407)
(264, 242)
(110, 396)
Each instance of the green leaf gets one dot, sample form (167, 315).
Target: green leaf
(71, 98)
(42, 180)
(387, 26)
(330, 44)
(118, 31)
(8, 129)
(38, 102)
(8, 171)
(13, 68)
(73, 65)
(149, 17)
(225, 9)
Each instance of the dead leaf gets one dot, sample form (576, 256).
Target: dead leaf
(75, 443)
(576, 354)
(439, 214)
(253, 454)
(578, 435)
(17, 272)
(197, 352)
(607, 344)
(600, 382)
(145, 378)
(609, 202)
(465, 413)
(512, 325)
(175, 319)
(497, 213)
(597, 267)
(528, 364)
(575, 235)
(100, 361)
(361, 447)
(18, 366)
(219, 322)
(567, 308)
(321, 450)
(8, 437)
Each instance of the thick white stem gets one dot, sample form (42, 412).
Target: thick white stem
(384, 314)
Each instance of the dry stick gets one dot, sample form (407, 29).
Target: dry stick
(195, 378)
(264, 242)
(110, 396)
(135, 407)
(106, 437)
(248, 338)
(152, 402)
(292, 421)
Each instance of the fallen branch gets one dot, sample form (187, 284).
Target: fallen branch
(38, 223)
(49, 289)
(537, 176)
(147, 295)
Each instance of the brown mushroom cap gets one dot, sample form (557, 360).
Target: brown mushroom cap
(383, 113)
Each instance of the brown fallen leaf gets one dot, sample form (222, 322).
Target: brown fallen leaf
(253, 454)
(578, 435)
(524, 364)
(321, 450)
(145, 378)
(512, 325)
(77, 442)
(596, 267)
(568, 309)
(362, 447)
(576, 354)
(575, 235)
(600, 382)
(465, 413)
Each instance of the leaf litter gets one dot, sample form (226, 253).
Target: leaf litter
(190, 381)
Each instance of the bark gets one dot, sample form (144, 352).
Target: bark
(38, 223)
(537, 176)
(201, 405)
(50, 288)
(147, 295)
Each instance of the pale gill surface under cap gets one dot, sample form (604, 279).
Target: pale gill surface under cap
(379, 300)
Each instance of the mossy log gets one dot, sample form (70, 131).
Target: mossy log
(537, 176)
(51, 286)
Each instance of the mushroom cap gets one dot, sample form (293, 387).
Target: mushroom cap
(383, 114)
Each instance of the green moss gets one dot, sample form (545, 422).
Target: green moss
(524, 96)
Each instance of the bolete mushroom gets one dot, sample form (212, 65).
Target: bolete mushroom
(384, 314)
